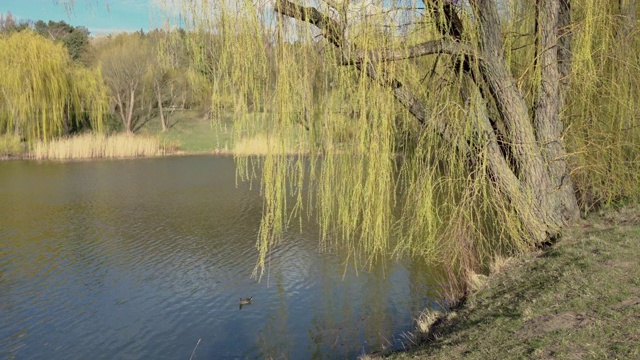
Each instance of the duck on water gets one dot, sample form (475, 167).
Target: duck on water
(246, 301)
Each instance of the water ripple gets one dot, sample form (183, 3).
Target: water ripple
(140, 259)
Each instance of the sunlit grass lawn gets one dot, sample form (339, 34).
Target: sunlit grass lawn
(191, 132)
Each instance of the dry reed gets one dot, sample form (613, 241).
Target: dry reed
(426, 319)
(90, 146)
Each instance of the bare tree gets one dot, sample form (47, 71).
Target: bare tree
(124, 65)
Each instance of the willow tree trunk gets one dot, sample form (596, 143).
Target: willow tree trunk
(539, 157)
(528, 165)
(628, 15)
(548, 124)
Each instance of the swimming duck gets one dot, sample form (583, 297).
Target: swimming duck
(246, 301)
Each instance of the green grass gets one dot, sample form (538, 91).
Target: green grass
(579, 299)
(190, 132)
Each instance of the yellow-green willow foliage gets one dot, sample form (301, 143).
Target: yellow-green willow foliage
(352, 126)
(601, 110)
(383, 181)
(603, 104)
(42, 91)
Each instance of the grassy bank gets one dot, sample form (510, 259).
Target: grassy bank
(191, 132)
(579, 299)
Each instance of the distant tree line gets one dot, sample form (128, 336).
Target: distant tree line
(134, 77)
(74, 38)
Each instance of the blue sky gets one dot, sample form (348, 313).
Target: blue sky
(99, 16)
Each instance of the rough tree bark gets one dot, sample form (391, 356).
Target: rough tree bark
(564, 46)
(531, 171)
(628, 14)
(547, 121)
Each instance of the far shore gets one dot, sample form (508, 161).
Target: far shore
(220, 152)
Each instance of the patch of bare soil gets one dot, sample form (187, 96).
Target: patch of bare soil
(627, 303)
(572, 352)
(622, 264)
(621, 217)
(547, 323)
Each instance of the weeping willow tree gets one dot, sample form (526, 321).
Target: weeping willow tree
(452, 130)
(43, 94)
(603, 103)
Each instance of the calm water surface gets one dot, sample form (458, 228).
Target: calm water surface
(139, 259)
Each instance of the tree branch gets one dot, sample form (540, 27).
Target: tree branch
(331, 29)
(339, 7)
(446, 18)
(426, 48)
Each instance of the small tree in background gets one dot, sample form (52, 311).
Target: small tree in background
(125, 62)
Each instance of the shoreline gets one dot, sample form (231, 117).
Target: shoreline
(578, 298)
(168, 154)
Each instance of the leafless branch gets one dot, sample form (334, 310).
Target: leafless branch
(426, 48)
(330, 28)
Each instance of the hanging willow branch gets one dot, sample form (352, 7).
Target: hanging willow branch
(331, 29)
(364, 99)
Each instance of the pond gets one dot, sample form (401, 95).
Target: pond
(147, 258)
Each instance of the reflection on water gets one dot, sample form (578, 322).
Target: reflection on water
(142, 258)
